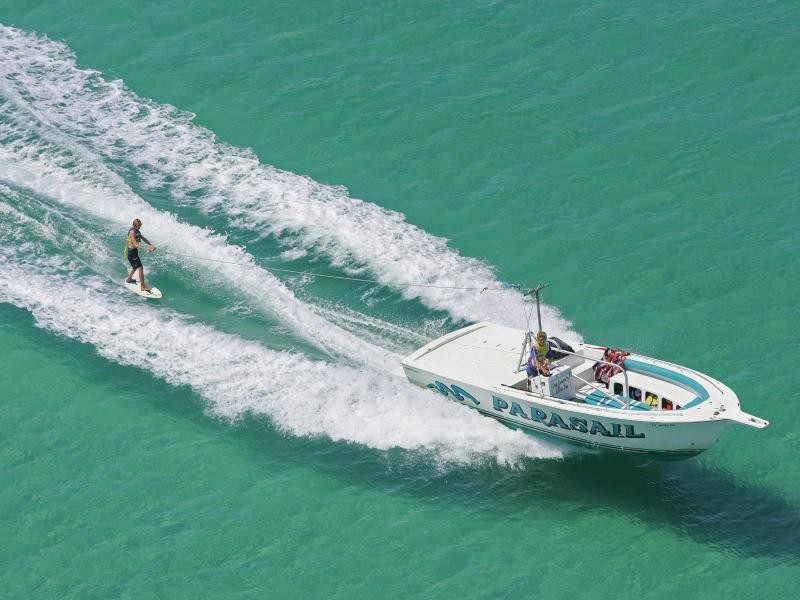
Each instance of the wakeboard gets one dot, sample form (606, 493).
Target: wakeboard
(154, 292)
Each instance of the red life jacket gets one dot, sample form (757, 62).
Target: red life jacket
(603, 372)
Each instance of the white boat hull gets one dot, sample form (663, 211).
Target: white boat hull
(563, 420)
(478, 366)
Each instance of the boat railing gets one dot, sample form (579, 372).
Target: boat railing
(684, 370)
(605, 362)
(601, 390)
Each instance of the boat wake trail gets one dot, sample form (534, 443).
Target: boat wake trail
(236, 377)
(165, 150)
(39, 159)
(64, 171)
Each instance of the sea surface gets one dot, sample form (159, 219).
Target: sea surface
(242, 438)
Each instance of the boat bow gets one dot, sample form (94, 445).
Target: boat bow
(743, 418)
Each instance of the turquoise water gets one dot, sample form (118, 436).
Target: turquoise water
(240, 438)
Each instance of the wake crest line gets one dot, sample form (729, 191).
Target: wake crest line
(506, 288)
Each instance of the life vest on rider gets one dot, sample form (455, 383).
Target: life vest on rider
(539, 352)
(136, 235)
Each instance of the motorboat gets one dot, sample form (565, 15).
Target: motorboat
(634, 404)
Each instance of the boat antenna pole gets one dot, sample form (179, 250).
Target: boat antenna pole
(537, 293)
(532, 292)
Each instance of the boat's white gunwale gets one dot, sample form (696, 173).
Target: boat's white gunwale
(696, 414)
(684, 416)
(690, 436)
(692, 415)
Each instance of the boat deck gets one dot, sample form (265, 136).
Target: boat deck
(488, 355)
(485, 354)
(479, 366)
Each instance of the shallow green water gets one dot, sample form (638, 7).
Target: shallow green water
(239, 438)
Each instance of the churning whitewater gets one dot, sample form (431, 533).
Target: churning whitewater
(61, 173)
(236, 376)
(65, 133)
(167, 151)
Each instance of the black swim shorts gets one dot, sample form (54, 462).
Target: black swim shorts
(133, 258)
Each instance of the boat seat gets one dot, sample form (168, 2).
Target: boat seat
(667, 375)
(598, 398)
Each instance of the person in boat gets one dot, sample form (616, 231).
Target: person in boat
(132, 243)
(540, 360)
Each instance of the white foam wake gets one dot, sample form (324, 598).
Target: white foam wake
(237, 377)
(166, 149)
(62, 171)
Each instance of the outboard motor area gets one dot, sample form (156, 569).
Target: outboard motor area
(557, 344)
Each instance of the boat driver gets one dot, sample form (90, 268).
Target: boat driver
(540, 360)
